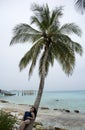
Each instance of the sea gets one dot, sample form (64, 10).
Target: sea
(70, 100)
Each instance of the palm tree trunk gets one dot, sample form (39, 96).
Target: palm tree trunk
(41, 87)
(38, 99)
(42, 81)
(40, 91)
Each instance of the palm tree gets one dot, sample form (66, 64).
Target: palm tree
(80, 4)
(50, 40)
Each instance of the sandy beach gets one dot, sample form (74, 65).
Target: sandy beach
(49, 117)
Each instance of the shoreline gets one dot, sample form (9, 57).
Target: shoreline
(49, 117)
(54, 100)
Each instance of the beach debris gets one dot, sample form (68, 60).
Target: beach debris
(4, 101)
(67, 111)
(37, 123)
(76, 111)
(56, 128)
(39, 127)
(45, 108)
(57, 99)
(55, 109)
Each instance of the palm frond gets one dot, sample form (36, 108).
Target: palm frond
(24, 28)
(43, 62)
(42, 14)
(31, 55)
(38, 11)
(47, 68)
(49, 61)
(65, 56)
(26, 59)
(56, 14)
(36, 8)
(24, 33)
(51, 56)
(38, 23)
(70, 28)
(25, 37)
(80, 5)
(76, 47)
(38, 46)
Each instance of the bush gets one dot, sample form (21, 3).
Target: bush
(6, 121)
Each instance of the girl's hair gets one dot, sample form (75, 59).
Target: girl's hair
(35, 111)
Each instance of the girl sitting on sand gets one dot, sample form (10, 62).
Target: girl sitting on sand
(28, 117)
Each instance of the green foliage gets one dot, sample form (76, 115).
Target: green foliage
(6, 121)
(50, 41)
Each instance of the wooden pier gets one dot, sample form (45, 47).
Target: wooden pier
(28, 92)
(17, 92)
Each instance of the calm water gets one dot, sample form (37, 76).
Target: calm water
(72, 100)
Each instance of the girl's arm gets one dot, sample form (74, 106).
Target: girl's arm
(33, 116)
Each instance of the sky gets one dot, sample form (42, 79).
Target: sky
(13, 12)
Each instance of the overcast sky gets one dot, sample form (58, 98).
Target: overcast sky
(13, 12)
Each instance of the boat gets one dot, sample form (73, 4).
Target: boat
(9, 94)
(6, 93)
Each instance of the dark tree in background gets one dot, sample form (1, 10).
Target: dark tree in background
(80, 5)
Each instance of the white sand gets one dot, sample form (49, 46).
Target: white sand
(55, 118)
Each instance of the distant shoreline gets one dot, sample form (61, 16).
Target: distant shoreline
(42, 107)
(70, 100)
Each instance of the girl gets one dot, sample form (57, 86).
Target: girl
(28, 117)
